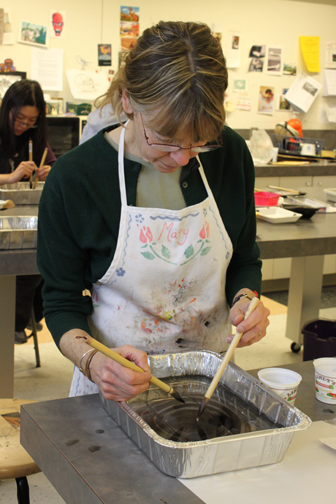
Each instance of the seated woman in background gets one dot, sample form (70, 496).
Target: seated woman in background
(23, 118)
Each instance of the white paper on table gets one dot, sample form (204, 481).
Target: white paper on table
(331, 442)
(329, 82)
(305, 475)
(87, 84)
(303, 92)
(47, 68)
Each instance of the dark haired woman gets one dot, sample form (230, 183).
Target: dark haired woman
(23, 118)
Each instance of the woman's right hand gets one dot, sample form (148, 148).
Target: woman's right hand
(23, 171)
(117, 382)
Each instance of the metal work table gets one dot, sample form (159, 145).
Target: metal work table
(12, 263)
(88, 458)
(306, 241)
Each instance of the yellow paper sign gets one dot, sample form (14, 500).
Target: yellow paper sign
(310, 48)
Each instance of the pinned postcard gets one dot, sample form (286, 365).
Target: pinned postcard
(239, 85)
(274, 60)
(266, 100)
(281, 103)
(129, 26)
(243, 103)
(7, 36)
(57, 28)
(289, 69)
(303, 92)
(233, 50)
(310, 48)
(330, 61)
(216, 31)
(329, 82)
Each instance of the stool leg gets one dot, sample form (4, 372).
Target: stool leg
(22, 490)
(34, 331)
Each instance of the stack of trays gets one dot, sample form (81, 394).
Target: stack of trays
(18, 232)
(21, 194)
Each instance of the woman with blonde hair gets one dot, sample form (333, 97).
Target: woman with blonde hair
(156, 217)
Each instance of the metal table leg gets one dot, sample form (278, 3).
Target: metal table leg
(304, 295)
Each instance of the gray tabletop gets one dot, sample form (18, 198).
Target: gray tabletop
(19, 262)
(88, 458)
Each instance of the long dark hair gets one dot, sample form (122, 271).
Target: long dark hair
(20, 94)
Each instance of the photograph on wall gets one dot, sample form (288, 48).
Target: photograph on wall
(217, 31)
(266, 100)
(129, 26)
(281, 103)
(289, 69)
(274, 61)
(104, 55)
(233, 50)
(57, 24)
(33, 34)
(330, 60)
(7, 33)
(257, 51)
(256, 65)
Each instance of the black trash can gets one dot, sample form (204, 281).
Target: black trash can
(319, 339)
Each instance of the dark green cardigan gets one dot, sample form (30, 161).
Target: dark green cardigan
(79, 216)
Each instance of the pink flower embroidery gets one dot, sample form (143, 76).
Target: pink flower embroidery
(205, 231)
(145, 235)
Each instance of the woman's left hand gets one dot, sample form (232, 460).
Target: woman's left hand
(43, 172)
(254, 326)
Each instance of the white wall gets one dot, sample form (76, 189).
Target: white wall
(269, 22)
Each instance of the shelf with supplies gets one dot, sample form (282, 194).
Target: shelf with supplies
(276, 269)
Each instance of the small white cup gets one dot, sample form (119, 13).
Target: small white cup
(275, 154)
(282, 381)
(325, 379)
(308, 149)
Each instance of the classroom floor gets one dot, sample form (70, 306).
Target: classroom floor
(52, 379)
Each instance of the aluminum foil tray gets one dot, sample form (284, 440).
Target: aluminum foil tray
(18, 232)
(220, 454)
(21, 194)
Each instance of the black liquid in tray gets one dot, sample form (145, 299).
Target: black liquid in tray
(225, 415)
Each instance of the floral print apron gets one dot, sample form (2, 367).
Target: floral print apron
(165, 288)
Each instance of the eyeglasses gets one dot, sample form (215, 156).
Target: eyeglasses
(30, 123)
(175, 148)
